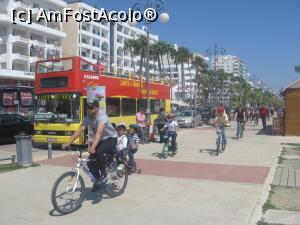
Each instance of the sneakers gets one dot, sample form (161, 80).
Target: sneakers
(98, 184)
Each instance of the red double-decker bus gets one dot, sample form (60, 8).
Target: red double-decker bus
(61, 91)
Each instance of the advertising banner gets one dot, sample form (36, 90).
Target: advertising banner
(97, 93)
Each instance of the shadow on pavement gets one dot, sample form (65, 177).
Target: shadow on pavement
(267, 132)
(43, 146)
(93, 197)
(54, 213)
(211, 152)
(158, 155)
(7, 142)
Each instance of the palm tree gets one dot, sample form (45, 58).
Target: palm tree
(130, 44)
(162, 48)
(200, 66)
(169, 49)
(182, 57)
(141, 49)
(156, 49)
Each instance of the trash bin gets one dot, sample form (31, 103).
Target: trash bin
(24, 149)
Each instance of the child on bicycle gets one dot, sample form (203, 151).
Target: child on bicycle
(171, 129)
(122, 142)
(133, 143)
(221, 121)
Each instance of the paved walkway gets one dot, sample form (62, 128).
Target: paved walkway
(195, 187)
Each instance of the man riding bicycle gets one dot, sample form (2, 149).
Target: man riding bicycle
(102, 138)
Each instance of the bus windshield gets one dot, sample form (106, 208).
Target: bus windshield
(58, 108)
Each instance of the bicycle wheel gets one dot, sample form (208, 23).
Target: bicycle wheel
(116, 180)
(67, 193)
(218, 145)
(165, 151)
(132, 167)
(242, 131)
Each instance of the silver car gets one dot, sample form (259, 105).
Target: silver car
(189, 118)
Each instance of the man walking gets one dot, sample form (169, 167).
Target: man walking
(141, 122)
(264, 113)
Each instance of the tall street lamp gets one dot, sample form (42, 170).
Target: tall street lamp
(159, 7)
(214, 53)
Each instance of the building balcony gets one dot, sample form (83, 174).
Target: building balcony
(86, 45)
(37, 28)
(20, 39)
(59, 3)
(20, 57)
(35, 11)
(21, 4)
(36, 58)
(3, 11)
(3, 58)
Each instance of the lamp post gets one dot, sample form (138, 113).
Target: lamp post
(159, 7)
(214, 53)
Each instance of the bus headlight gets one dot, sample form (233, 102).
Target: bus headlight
(38, 132)
(69, 133)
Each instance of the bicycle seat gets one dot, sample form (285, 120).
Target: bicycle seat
(82, 147)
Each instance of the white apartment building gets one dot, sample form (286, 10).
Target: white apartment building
(191, 90)
(230, 64)
(21, 45)
(103, 41)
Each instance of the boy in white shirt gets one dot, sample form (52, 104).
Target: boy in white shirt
(122, 141)
(172, 131)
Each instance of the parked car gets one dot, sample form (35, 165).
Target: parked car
(189, 118)
(206, 114)
(13, 124)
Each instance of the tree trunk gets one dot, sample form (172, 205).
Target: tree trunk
(131, 56)
(190, 79)
(182, 82)
(170, 72)
(162, 65)
(141, 64)
(159, 66)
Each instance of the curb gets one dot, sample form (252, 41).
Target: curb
(257, 214)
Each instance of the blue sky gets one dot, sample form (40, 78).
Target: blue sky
(265, 34)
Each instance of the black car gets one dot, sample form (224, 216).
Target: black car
(206, 114)
(13, 124)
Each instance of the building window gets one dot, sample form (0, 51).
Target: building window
(26, 99)
(9, 98)
(113, 107)
(128, 106)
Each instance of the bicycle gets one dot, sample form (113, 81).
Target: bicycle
(167, 148)
(73, 183)
(220, 139)
(240, 129)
